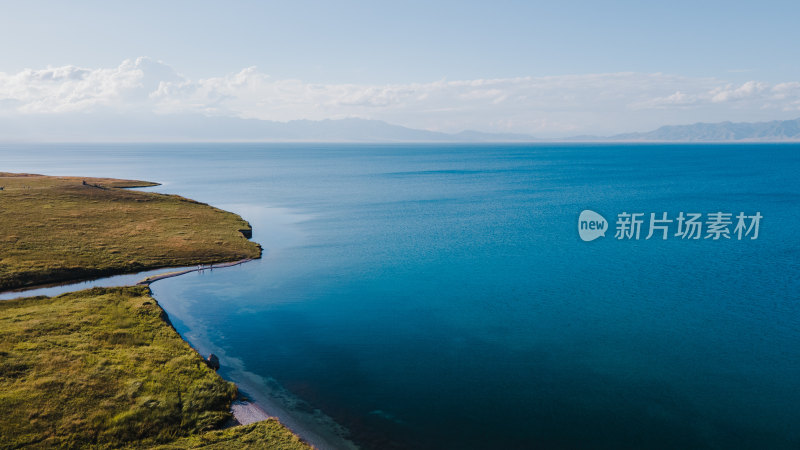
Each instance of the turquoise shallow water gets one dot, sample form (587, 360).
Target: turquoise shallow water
(430, 296)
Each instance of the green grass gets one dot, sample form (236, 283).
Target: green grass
(55, 229)
(267, 434)
(103, 368)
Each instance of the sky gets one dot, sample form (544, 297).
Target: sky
(550, 69)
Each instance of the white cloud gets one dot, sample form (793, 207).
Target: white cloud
(752, 95)
(749, 90)
(599, 103)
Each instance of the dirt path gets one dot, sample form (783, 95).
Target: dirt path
(199, 268)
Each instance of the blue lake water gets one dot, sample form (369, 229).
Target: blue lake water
(438, 296)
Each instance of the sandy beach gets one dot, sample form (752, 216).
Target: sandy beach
(265, 400)
(246, 413)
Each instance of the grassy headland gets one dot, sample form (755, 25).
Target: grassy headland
(103, 368)
(55, 229)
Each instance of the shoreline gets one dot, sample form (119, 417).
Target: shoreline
(104, 275)
(313, 427)
(245, 410)
(30, 291)
(95, 270)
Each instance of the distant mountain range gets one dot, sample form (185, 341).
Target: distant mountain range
(194, 127)
(776, 130)
(147, 127)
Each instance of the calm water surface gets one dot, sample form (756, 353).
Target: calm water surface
(438, 296)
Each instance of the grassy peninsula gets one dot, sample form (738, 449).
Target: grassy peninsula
(103, 367)
(56, 229)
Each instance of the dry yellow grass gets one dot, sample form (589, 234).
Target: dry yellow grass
(55, 229)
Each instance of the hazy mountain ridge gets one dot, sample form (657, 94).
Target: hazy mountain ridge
(147, 127)
(194, 127)
(776, 130)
